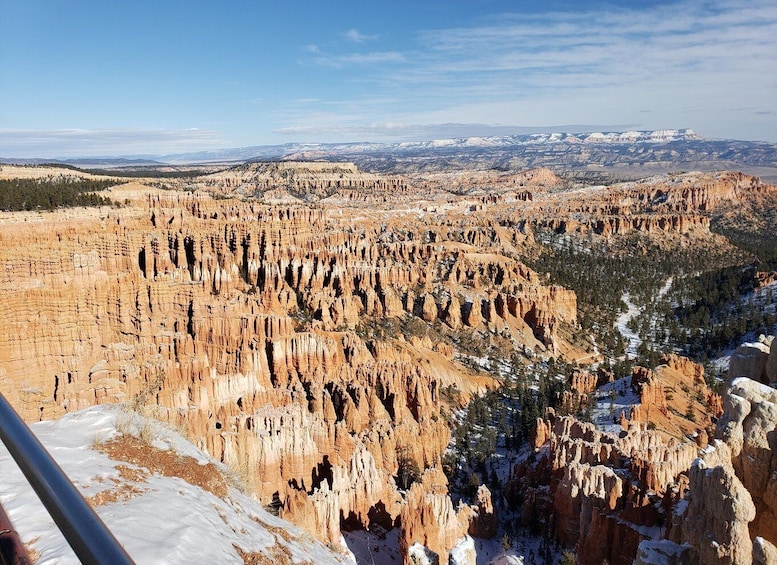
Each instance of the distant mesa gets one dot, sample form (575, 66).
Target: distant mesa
(589, 155)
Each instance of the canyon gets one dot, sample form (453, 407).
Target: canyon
(318, 329)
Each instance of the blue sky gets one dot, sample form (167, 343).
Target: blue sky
(82, 78)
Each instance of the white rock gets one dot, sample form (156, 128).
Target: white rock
(749, 360)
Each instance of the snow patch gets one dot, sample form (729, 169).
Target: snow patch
(156, 518)
(420, 555)
(464, 552)
(507, 559)
(662, 552)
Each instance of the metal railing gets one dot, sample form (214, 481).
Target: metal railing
(90, 539)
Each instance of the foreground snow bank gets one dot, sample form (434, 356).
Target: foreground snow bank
(158, 518)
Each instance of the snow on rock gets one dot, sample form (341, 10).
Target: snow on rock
(417, 554)
(157, 518)
(764, 552)
(507, 559)
(747, 427)
(771, 363)
(464, 552)
(720, 509)
(663, 552)
(369, 547)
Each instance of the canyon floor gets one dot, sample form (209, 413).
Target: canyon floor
(462, 366)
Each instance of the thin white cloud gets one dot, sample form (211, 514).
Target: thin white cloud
(358, 59)
(103, 142)
(357, 37)
(709, 65)
(687, 60)
(627, 43)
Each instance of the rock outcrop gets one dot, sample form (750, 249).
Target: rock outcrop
(675, 399)
(728, 515)
(756, 361)
(483, 521)
(771, 363)
(308, 181)
(429, 519)
(676, 203)
(764, 552)
(748, 428)
(716, 523)
(598, 485)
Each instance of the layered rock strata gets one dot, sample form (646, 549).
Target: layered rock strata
(289, 342)
(308, 346)
(679, 203)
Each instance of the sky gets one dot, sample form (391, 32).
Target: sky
(97, 78)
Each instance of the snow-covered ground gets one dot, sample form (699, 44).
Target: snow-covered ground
(372, 549)
(633, 340)
(163, 519)
(524, 549)
(158, 519)
(612, 399)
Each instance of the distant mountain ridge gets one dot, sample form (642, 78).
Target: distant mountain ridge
(654, 136)
(500, 141)
(622, 155)
(279, 151)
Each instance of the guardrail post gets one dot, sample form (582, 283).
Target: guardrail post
(12, 550)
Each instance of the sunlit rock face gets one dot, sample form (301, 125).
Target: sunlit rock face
(717, 520)
(620, 487)
(306, 340)
(270, 334)
(748, 428)
(729, 513)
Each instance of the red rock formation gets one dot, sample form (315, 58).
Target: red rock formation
(674, 398)
(601, 486)
(583, 382)
(307, 181)
(498, 186)
(483, 520)
(668, 204)
(278, 338)
(596, 484)
(651, 391)
(428, 518)
(599, 525)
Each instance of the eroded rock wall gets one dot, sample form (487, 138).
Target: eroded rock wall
(274, 336)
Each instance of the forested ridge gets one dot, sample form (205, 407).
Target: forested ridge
(705, 311)
(52, 192)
